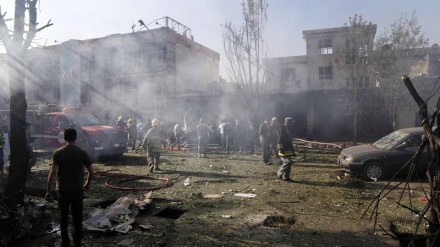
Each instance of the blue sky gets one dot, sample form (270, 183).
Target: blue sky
(85, 19)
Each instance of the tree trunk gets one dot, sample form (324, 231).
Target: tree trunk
(433, 172)
(19, 158)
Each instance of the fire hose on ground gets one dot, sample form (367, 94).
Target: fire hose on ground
(129, 177)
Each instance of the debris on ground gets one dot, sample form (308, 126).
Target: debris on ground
(117, 217)
(246, 195)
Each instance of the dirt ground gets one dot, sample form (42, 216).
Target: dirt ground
(321, 207)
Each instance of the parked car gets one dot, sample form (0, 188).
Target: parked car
(386, 156)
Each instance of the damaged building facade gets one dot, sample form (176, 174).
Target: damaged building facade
(318, 93)
(162, 72)
(129, 74)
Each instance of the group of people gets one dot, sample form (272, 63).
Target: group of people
(150, 137)
(135, 131)
(278, 139)
(237, 136)
(69, 161)
(67, 169)
(272, 134)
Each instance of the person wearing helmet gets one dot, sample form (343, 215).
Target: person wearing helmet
(275, 128)
(132, 133)
(121, 123)
(154, 142)
(264, 133)
(285, 149)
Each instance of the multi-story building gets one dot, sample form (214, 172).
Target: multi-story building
(320, 82)
(163, 70)
(128, 74)
(317, 70)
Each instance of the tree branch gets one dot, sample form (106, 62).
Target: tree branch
(4, 32)
(32, 24)
(43, 27)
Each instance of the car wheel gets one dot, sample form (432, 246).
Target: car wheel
(374, 171)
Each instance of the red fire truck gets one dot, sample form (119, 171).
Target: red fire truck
(97, 138)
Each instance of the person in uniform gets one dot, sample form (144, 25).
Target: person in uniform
(154, 141)
(275, 127)
(202, 138)
(285, 149)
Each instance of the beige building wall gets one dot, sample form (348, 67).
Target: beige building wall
(196, 66)
(128, 72)
(317, 70)
(319, 56)
(287, 74)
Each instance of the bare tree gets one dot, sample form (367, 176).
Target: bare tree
(432, 142)
(244, 49)
(433, 172)
(16, 42)
(352, 62)
(396, 51)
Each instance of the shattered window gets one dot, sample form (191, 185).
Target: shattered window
(390, 140)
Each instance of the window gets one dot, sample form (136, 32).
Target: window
(61, 119)
(161, 54)
(325, 46)
(349, 56)
(155, 56)
(361, 82)
(49, 121)
(288, 75)
(326, 73)
(133, 61)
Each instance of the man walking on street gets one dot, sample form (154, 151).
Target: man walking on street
(154, 141)
(250, 136)
(222, 127)
(285, 149)
(275, 127)
(67, 167)
(202, 138)
(178, 132)
(264, 133)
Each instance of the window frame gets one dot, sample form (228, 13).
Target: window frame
(325, 46)
(325, 73)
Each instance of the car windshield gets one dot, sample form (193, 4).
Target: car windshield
(85, 119)
(390, 140)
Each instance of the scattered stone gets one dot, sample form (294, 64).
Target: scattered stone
(212, 196)
(246, 195)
